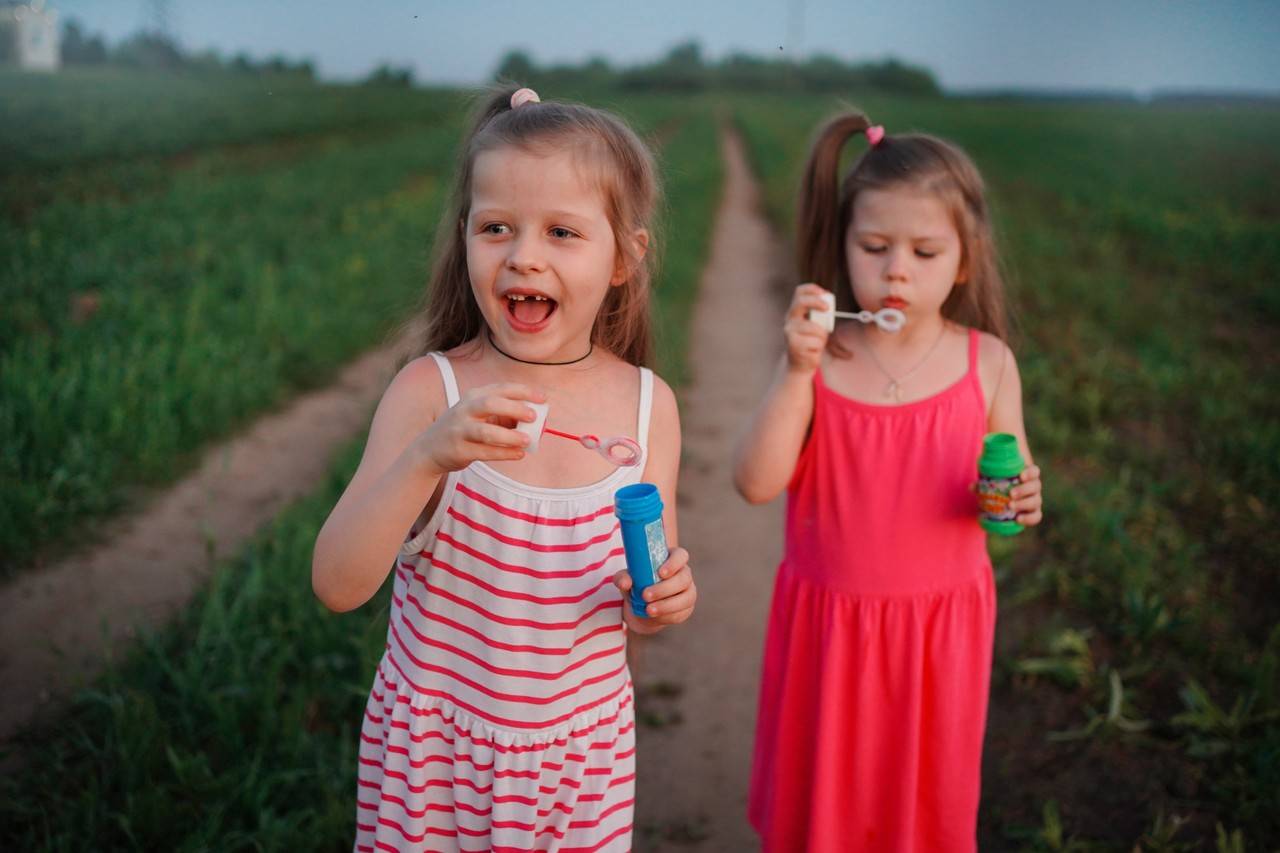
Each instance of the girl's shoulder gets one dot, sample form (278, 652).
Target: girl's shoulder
(416, 395)
(997, 367)
(666, 412)
(992, 350)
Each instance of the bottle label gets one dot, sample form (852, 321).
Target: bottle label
(994, 499)
(656, 538)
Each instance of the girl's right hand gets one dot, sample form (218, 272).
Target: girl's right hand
(479, 427)
(805, 339)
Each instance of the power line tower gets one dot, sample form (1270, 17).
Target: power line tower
(157, 20)
(795, 29)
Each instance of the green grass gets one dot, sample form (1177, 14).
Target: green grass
(235, 728)
(693, 173)
(1136, 673)
(137, 330)
(56, 121)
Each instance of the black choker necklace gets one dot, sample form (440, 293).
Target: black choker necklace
(590, 350)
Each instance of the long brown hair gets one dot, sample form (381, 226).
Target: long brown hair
(623, 168)
(913, 160)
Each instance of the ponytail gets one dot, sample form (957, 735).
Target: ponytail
(821, 220)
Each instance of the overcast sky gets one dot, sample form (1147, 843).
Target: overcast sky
(1138, 45)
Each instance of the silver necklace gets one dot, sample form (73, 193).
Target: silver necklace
(894, 389)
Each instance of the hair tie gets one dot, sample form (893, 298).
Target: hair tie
(874, 134)
(524, 96)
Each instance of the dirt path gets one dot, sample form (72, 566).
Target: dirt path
(698, 683)
(60, 622)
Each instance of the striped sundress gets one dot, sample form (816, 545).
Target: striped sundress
(501, 715)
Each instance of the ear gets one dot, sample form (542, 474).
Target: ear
(626, 262)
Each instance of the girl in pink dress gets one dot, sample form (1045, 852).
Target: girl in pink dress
(874, 693)
(501, 715)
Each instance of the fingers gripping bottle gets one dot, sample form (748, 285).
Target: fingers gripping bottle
(998, 470)
(639, 511)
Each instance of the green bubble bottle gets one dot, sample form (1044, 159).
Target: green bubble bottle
(998, 470)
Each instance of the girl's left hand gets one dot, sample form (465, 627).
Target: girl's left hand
(1026, 497)
(670, 601)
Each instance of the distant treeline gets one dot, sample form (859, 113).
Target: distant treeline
(684, 69)
(152, 50)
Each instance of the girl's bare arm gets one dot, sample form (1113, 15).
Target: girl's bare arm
(1006, 416)
(766, 453)
(672, 599)
(414, 441)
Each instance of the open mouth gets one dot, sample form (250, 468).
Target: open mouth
(528, 310)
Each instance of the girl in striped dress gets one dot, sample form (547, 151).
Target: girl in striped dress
(501, 714)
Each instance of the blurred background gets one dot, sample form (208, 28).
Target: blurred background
(207, 210)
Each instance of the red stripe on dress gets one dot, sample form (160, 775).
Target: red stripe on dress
(517, 596)
(454, 758)
(435, 783)
(511, 647)
(414, 839)
(524, 516)
(592, 849)
(497, 747)
(507, 620)
(515, 749)
(419, 814)
(524, 570)
(622, 830)
(533, 546)
(599, 798)
(508, 671)
(502, 721)
(573, 824)
(507, 697)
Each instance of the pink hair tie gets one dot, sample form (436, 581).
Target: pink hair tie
(875, 134)
(524, 96)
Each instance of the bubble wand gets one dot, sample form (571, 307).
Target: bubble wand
(888, 319)
(637, 506)
(617, 450)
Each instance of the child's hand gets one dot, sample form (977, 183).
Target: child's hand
(805, 339)
(481, 426)
(1026, 497)
(669, 601)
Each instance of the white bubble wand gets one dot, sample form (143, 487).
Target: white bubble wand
(888, 319)
(617, 450)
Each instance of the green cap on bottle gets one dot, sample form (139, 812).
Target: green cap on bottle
(998, 469)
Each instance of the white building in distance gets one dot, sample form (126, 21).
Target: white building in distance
(30, 35)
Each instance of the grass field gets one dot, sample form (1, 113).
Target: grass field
(1136, 684)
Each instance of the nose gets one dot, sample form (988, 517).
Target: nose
(524, 256)
(895, 265)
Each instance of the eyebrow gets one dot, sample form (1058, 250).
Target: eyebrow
(930, 238)
(550, 214)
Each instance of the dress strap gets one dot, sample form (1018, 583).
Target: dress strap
(446, 373)
(645, 408)
(415, 542)
(974, 377)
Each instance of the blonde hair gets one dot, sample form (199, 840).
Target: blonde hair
(624, 170)
(916, 160)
